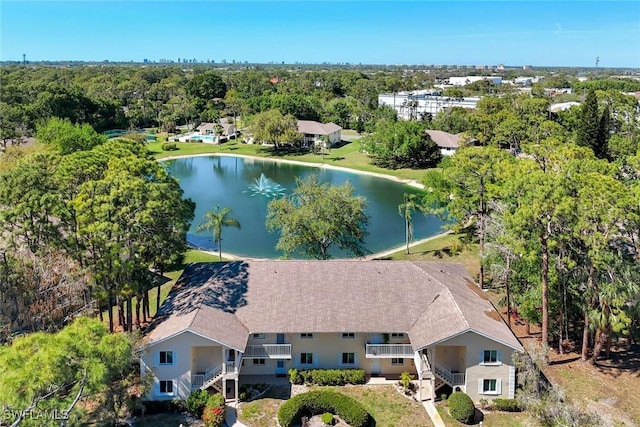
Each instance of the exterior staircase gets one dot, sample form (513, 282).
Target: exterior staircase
(208, 379)
(446, 376)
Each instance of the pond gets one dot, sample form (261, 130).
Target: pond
(246, 185)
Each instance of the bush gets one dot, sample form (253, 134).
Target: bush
(153, 407)
(319, 402)
(405, 380)
(327, 376)
(507, 405)
(169, 146)
(461, 407)
(327, 418)
(213, 415)
(196, 402)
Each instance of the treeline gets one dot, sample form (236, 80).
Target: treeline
(558, 225)
(88, 224)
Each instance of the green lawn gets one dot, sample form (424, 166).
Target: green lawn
(445, 248)
(490, 419)
(348, 156)
(384, 403)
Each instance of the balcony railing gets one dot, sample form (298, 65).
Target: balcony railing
(268, 351)
(381, 351)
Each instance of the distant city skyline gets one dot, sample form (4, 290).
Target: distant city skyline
(541, 33)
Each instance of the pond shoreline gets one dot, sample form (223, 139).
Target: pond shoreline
(410, 182)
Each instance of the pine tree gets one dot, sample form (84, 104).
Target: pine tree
(589, 124)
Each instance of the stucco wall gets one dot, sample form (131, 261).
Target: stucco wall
(183, 357)
(476, 370)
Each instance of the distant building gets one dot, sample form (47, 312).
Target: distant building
(314, 131)
(463, 81)
(418, 104)
(447, 142)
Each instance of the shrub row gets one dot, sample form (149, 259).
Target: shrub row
(507, 405)
(323, 401)
(327, 376)
(461, 407)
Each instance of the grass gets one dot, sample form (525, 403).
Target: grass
(444, 248)
(348, 156)
(384, 403)
(492, 419)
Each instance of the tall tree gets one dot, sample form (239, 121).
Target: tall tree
(412, 202)
(54, 372)
(214, 221)
(589, 124)
(317, 216)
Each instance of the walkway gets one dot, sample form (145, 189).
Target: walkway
(436, 419)
(230, 415)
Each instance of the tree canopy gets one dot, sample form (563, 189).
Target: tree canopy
(316, 217)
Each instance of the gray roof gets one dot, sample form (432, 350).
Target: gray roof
(315, 128)
(444, 139)
(227, 301)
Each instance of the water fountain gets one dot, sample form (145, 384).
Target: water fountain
(266, 187)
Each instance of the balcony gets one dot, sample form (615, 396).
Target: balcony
(268, 351)
(387, 351)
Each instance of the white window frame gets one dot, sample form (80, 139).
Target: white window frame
(306, 336)
(488, 391)
(173, 388)
(259, 336)
(259, 362)
(497, 362)
(166, 353)
(306, 363)
(348, 335)
(347, 353)
(397, 361)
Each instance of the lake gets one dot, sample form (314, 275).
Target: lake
(246, 185)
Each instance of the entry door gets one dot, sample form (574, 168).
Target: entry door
(280, 369)
(375, 367)
(279, 338)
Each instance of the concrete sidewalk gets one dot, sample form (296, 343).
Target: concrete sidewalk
(436, 419)
(231, 416)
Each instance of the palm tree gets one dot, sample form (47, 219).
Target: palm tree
(214, 221)
(411, 203)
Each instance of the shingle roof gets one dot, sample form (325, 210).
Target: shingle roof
(444, 139)
(314, 128)
(227, 301)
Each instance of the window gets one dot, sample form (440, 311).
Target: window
(166, 387)
(258, 336)
(306, 358)
(348, 335)
(397, 361)
(397, 335)
(348, 358)
(489, 386)
(166, 357)
(259, 361)
(490, 356)
(306, 336)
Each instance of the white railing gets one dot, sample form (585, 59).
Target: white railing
(378, 351)
(209, 376)
(451, 378)
(230, 367)
(268, 351)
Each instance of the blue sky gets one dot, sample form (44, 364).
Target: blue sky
(369, 32)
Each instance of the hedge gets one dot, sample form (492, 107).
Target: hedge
(196, 402)
(169, 146)
(461, 407)
(322, 401)
(327, 376)
(507, 405)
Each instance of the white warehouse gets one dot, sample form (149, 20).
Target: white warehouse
(463, 81)
(417, 104)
